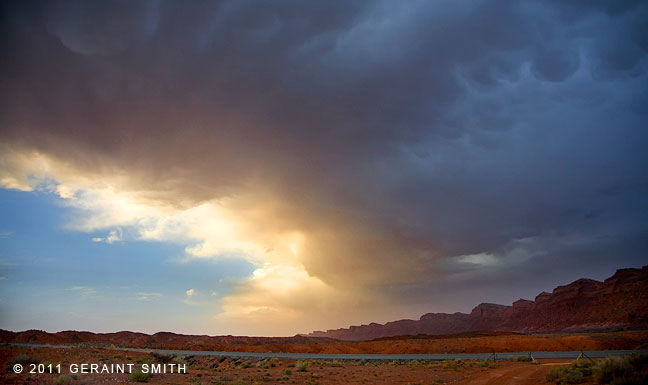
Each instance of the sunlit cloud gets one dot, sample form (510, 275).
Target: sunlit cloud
(483, 259)
(113, 236)
(213, 229)
(278, 296)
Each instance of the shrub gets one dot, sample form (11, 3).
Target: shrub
(139, 377)
(63, 379)
(575, 377)
(486, 364)
(555, 374)
(453, 364)
(180, 359)
(143, 360)
(301, 366)
(287, 372)
(162, 358)
(22, 359)
(627, 370)
(583, 363)
(565, 375)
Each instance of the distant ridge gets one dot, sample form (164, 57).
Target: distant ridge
(620, 302)
(161, 340)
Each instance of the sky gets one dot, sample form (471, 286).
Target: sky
(274, 168)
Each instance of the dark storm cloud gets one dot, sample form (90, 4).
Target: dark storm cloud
(400, 133)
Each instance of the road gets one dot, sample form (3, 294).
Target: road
(318, 356)
(432, 357)
(512, 375)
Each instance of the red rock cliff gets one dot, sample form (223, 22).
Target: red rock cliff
(621, 301)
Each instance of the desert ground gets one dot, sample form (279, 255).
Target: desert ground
(247, 371)
(215, 370)
(469, 343)
(474, 342)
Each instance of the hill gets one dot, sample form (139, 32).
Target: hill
(620, 302)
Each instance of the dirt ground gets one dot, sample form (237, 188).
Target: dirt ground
(464, 343)
(473, 344)
(216, 370)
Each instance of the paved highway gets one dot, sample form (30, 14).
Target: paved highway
(318, 356)
(435, 357)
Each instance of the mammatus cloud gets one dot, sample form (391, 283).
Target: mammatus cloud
(356, 155)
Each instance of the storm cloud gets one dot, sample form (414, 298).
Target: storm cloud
(416, 147)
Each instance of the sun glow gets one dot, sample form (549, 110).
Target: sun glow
(112, 209)
(293, 249)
